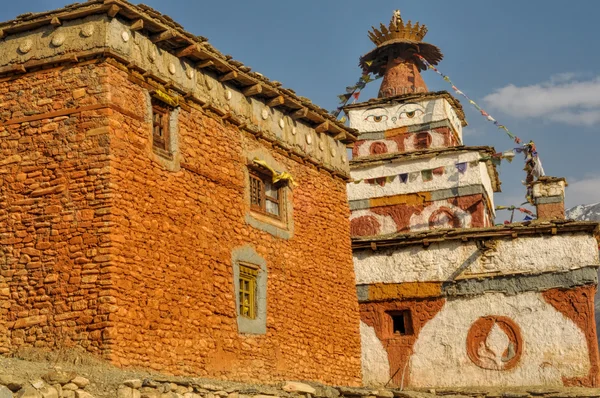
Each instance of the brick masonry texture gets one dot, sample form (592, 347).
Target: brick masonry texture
(103, 247)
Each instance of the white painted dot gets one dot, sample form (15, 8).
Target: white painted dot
(294, 131)
(308, 139)
(172, 68)
(281, 123)
(332, 151)
(228, 94)
(152, 55)
(189, 73)
(265, 113)
(58, 40)
(125, 36)
(321, 145)
(87, 30)
(26, 46)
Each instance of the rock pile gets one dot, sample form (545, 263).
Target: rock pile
(55, 384)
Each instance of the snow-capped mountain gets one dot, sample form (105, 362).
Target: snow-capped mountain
(584, 212)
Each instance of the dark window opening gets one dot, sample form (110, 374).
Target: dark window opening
(401, 323)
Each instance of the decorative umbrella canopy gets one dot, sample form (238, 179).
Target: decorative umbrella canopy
(394, 57)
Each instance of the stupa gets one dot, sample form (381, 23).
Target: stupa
(446, 298)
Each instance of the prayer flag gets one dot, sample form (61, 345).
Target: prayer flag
(461, 167)
(403, 177)
(427, 175)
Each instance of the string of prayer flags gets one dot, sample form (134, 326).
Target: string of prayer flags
(426, 175)
(533, 164)
(353, 92)
(475, 104)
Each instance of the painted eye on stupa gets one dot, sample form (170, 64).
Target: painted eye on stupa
(411, 111)
(376, 118)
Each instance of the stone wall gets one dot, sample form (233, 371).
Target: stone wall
(108, 245)
(176, 227)
(55, 200)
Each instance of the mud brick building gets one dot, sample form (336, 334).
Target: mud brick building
(162, 205)
(447, 299)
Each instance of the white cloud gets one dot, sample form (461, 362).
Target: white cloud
(561, 99)
(580, 192)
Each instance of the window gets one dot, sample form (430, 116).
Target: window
(401, 323)
(265, 196)
(160, 125)
(247, 290)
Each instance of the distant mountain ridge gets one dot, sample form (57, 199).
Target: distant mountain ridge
(589, 212)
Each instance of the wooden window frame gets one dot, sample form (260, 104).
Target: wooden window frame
(257, 181)
(160, 142)
(248, 305)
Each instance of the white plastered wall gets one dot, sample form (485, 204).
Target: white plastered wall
(441, 260)
(553, 345)
(392, 116)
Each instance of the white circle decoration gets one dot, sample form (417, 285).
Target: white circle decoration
(125, 36)
(228, 94)
(26, 46)
(189, 73)
(281, 123)
(88, 30)
(265, 113)
(152, 55)
(294, 131)
(172, 68)
(58, 40)
(308, 139)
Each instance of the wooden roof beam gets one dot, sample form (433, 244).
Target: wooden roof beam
(55, 22)
(113, 10)
(137, 25)
(300, 113)
(186, 51)
(323, 127)
(229, 76)
(166, 35)
(204, 64)
(276, 101)
(253, 90)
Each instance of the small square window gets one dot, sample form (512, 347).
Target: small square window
(247, 291)
(265, 196)
(160, 125)
(401, 323)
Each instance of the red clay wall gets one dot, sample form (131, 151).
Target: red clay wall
(174, 235)
(54, 206)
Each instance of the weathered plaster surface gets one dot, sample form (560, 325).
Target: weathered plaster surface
(514, 284)
(447, 260)
(374, 361)
(472, 176)
(554, 347)
(385, 117)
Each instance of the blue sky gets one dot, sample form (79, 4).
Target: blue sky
(534, 65)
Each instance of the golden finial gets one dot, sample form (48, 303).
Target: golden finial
(397, 30)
